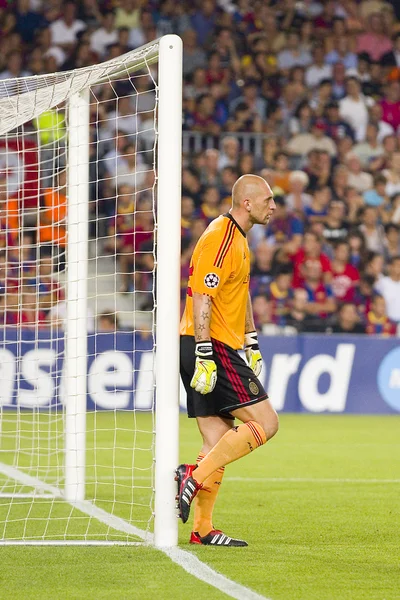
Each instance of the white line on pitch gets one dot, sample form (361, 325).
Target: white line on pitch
(67, 543)
(131, 478)
(110, 478)
(311, 480)
(188, 561)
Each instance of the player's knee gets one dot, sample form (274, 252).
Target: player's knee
(270, 425)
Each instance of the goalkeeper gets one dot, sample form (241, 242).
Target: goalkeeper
(220, 386)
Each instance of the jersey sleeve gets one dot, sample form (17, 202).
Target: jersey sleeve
(211, 266)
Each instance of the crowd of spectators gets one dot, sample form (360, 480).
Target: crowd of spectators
(317, 81)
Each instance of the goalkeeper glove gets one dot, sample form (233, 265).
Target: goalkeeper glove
(205, 374)
(252, 351)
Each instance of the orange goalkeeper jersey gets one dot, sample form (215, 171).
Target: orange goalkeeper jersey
(220, 268)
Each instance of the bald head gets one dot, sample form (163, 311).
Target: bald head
(252, 201)
(249, 187)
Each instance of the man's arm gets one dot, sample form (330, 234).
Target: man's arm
(202, 307)
(205, 374)
(249, 326)
(251, 347)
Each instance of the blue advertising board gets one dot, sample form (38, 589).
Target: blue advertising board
(307, 373)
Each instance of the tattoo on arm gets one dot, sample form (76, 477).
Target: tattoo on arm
(202, 308)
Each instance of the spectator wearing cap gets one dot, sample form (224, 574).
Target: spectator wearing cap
(374, 42)
(336, 128)
(389, 287)
(354, 108)
(318, 70)
(370, 148)
(316, 140)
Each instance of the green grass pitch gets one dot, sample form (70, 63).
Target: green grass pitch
(319, 506)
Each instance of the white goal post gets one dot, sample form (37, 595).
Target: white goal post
(49, 473)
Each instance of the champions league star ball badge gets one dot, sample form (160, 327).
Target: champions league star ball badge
(211, 280)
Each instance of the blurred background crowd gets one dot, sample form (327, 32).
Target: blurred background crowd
(306, 94)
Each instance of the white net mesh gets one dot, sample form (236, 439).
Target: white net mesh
(34, 171)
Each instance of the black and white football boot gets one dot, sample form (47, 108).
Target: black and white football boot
(187, 489)
(215, 538)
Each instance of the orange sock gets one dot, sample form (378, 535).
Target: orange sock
(205, 500)
(236, 442)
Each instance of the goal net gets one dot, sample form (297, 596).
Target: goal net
(89, 280)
